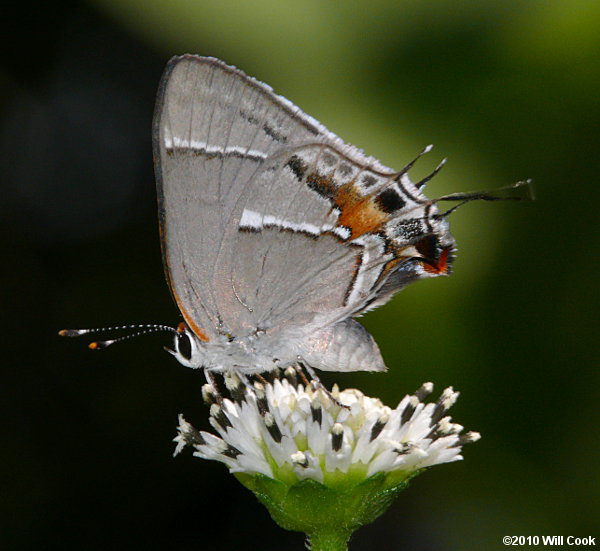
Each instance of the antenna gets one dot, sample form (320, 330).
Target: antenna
(99, 345)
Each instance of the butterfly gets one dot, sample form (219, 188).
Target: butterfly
(275, 233)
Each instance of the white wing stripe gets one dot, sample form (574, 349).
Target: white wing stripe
(255, 221)
(202, 147)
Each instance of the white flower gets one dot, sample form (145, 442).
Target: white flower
(288, 431)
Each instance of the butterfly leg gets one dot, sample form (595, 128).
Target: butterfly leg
(261, 379)
(299, 367)
(316, 383)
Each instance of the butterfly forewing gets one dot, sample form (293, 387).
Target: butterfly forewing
(213, 129)
(268, 219)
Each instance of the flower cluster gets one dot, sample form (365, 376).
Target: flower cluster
(289, 431)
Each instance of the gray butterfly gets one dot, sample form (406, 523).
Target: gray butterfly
(275, 233)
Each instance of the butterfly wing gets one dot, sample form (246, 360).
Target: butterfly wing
(289, 258)
(268, 220)
(213, 127)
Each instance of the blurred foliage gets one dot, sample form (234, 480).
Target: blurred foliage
(507, 90)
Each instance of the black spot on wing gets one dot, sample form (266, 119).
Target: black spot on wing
(274, 134)
(345, 170)
(250, 118)
(328, 159)
(297, 166)
(267, 129)
(389, 201)
(428, 246)
(320, 184)
(368, 180)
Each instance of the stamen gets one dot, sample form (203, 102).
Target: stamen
(405, 448)
(425, 390)
(261, 399)
(447, 399)
(231, 451)
(235, 386)
(337, 437)
(409, 410)
(299, 458)
(317, 413)
(290, 375)
(379, 426)
(212, 382)
(220, 416)
(272, 427)
(467, 439)
(193, 437)
(209, 395)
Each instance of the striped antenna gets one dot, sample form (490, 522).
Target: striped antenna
(99, 345)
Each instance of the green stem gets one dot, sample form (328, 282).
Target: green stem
(329, 540)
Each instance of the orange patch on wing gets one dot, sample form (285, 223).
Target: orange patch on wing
(359, 214)
(441, 266)
(194, 327)
(190, 322)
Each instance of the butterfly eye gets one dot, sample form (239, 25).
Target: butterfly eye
(184, 346)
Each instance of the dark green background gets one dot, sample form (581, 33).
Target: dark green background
(507, 90)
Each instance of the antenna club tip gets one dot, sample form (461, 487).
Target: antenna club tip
(99, 345)
(71, 332)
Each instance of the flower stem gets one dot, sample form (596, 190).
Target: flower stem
(329, 540)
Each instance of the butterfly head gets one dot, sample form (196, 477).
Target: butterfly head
(188, 348)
